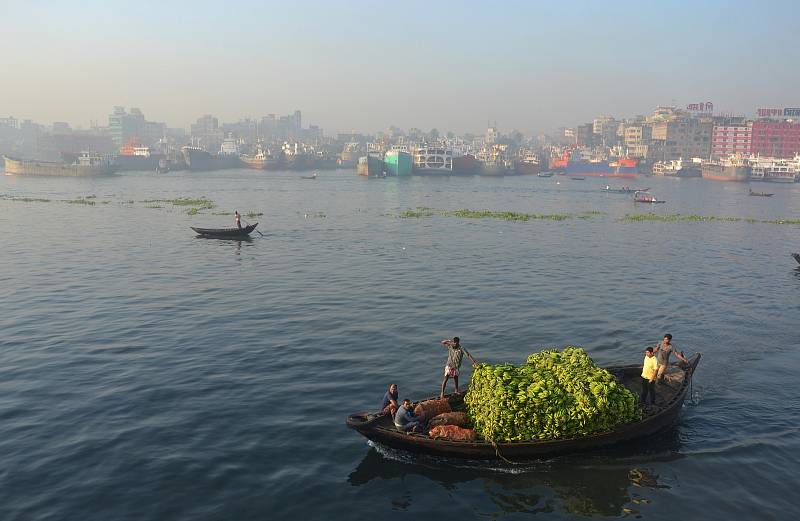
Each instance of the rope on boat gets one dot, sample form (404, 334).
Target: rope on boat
(497, 453)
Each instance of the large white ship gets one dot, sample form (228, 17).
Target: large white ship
(774, 170)
(433, 160)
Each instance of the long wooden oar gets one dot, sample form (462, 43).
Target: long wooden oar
(248, 224)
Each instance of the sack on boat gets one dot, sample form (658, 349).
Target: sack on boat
(452, 432)
(457, 418)
(432, 408)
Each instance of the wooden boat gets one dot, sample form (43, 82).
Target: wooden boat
(313, 176)
(226, 233)
(670, 395)
(545, 174)
(760, 194)
(796, 257)
(645, 197)
(577, 178)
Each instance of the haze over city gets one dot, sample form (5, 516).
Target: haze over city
(361, 65)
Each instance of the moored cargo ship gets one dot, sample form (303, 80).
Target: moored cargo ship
(370, 165)
(397, 162)
(527, 165)
(261, 160)
(624, 167)
(198, 159)
(731, 169)
(133, 156)
(676, 168)
(87, 164)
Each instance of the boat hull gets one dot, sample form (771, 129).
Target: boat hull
(526, 168)
(397, 163)
(199, 160)
(603, 169)
(46, 168)
(665, 417)
(225, 233)
(726, 173)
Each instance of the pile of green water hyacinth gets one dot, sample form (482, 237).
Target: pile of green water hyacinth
(555, 394)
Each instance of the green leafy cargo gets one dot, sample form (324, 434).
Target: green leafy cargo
(555, 394)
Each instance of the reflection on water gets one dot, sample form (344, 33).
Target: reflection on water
(608, 482)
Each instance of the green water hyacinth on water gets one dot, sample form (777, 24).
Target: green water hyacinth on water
(555, 394)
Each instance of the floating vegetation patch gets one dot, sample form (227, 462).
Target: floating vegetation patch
(202, 203)
(651, 217)
(482, 214)
(27, 199)
(80, 200)
(191, 211)
(417, 213)
(153, 206)
(313, 215)
(253, 215)
(221, 213)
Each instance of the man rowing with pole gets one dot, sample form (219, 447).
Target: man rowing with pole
(454, 355)
(238, 219)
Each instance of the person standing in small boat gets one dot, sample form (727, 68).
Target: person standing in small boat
(389, 405)
(649, 372)
(405, 420)
(238, 219)
(454, 355)
(663, 350)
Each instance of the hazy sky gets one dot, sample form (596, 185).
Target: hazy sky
(367, 65)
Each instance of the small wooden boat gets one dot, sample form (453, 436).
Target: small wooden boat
(545, 174)
(225, 233)
(670, 395)
(796, 257)
(645, 197)
(760, 194)
(313, 176)
(577, 178)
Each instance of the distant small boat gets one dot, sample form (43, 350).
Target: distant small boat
(313, 176)
(225, 233)
(577, 178)
(796, 257)
(645, 197)
(760, 194)
(545, 174)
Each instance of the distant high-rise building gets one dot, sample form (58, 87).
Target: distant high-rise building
(207, 133)
(731, 136)
(131, 127)
(585, 136)
(776, 138)
(677, 134)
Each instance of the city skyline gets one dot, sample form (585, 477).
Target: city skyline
(530, 67)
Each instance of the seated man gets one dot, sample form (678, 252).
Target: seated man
(389, 405)
(405, 420)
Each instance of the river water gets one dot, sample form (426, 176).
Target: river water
(149, 374)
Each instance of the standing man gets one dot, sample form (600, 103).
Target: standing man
(454, 355)
(238, 219)
(649, 372)
(663, 350)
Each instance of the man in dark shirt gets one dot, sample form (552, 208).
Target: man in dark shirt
(389, 405)
(405, 420)
(662, 352)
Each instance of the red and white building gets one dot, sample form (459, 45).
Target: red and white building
(779, 139)
(728, 140)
